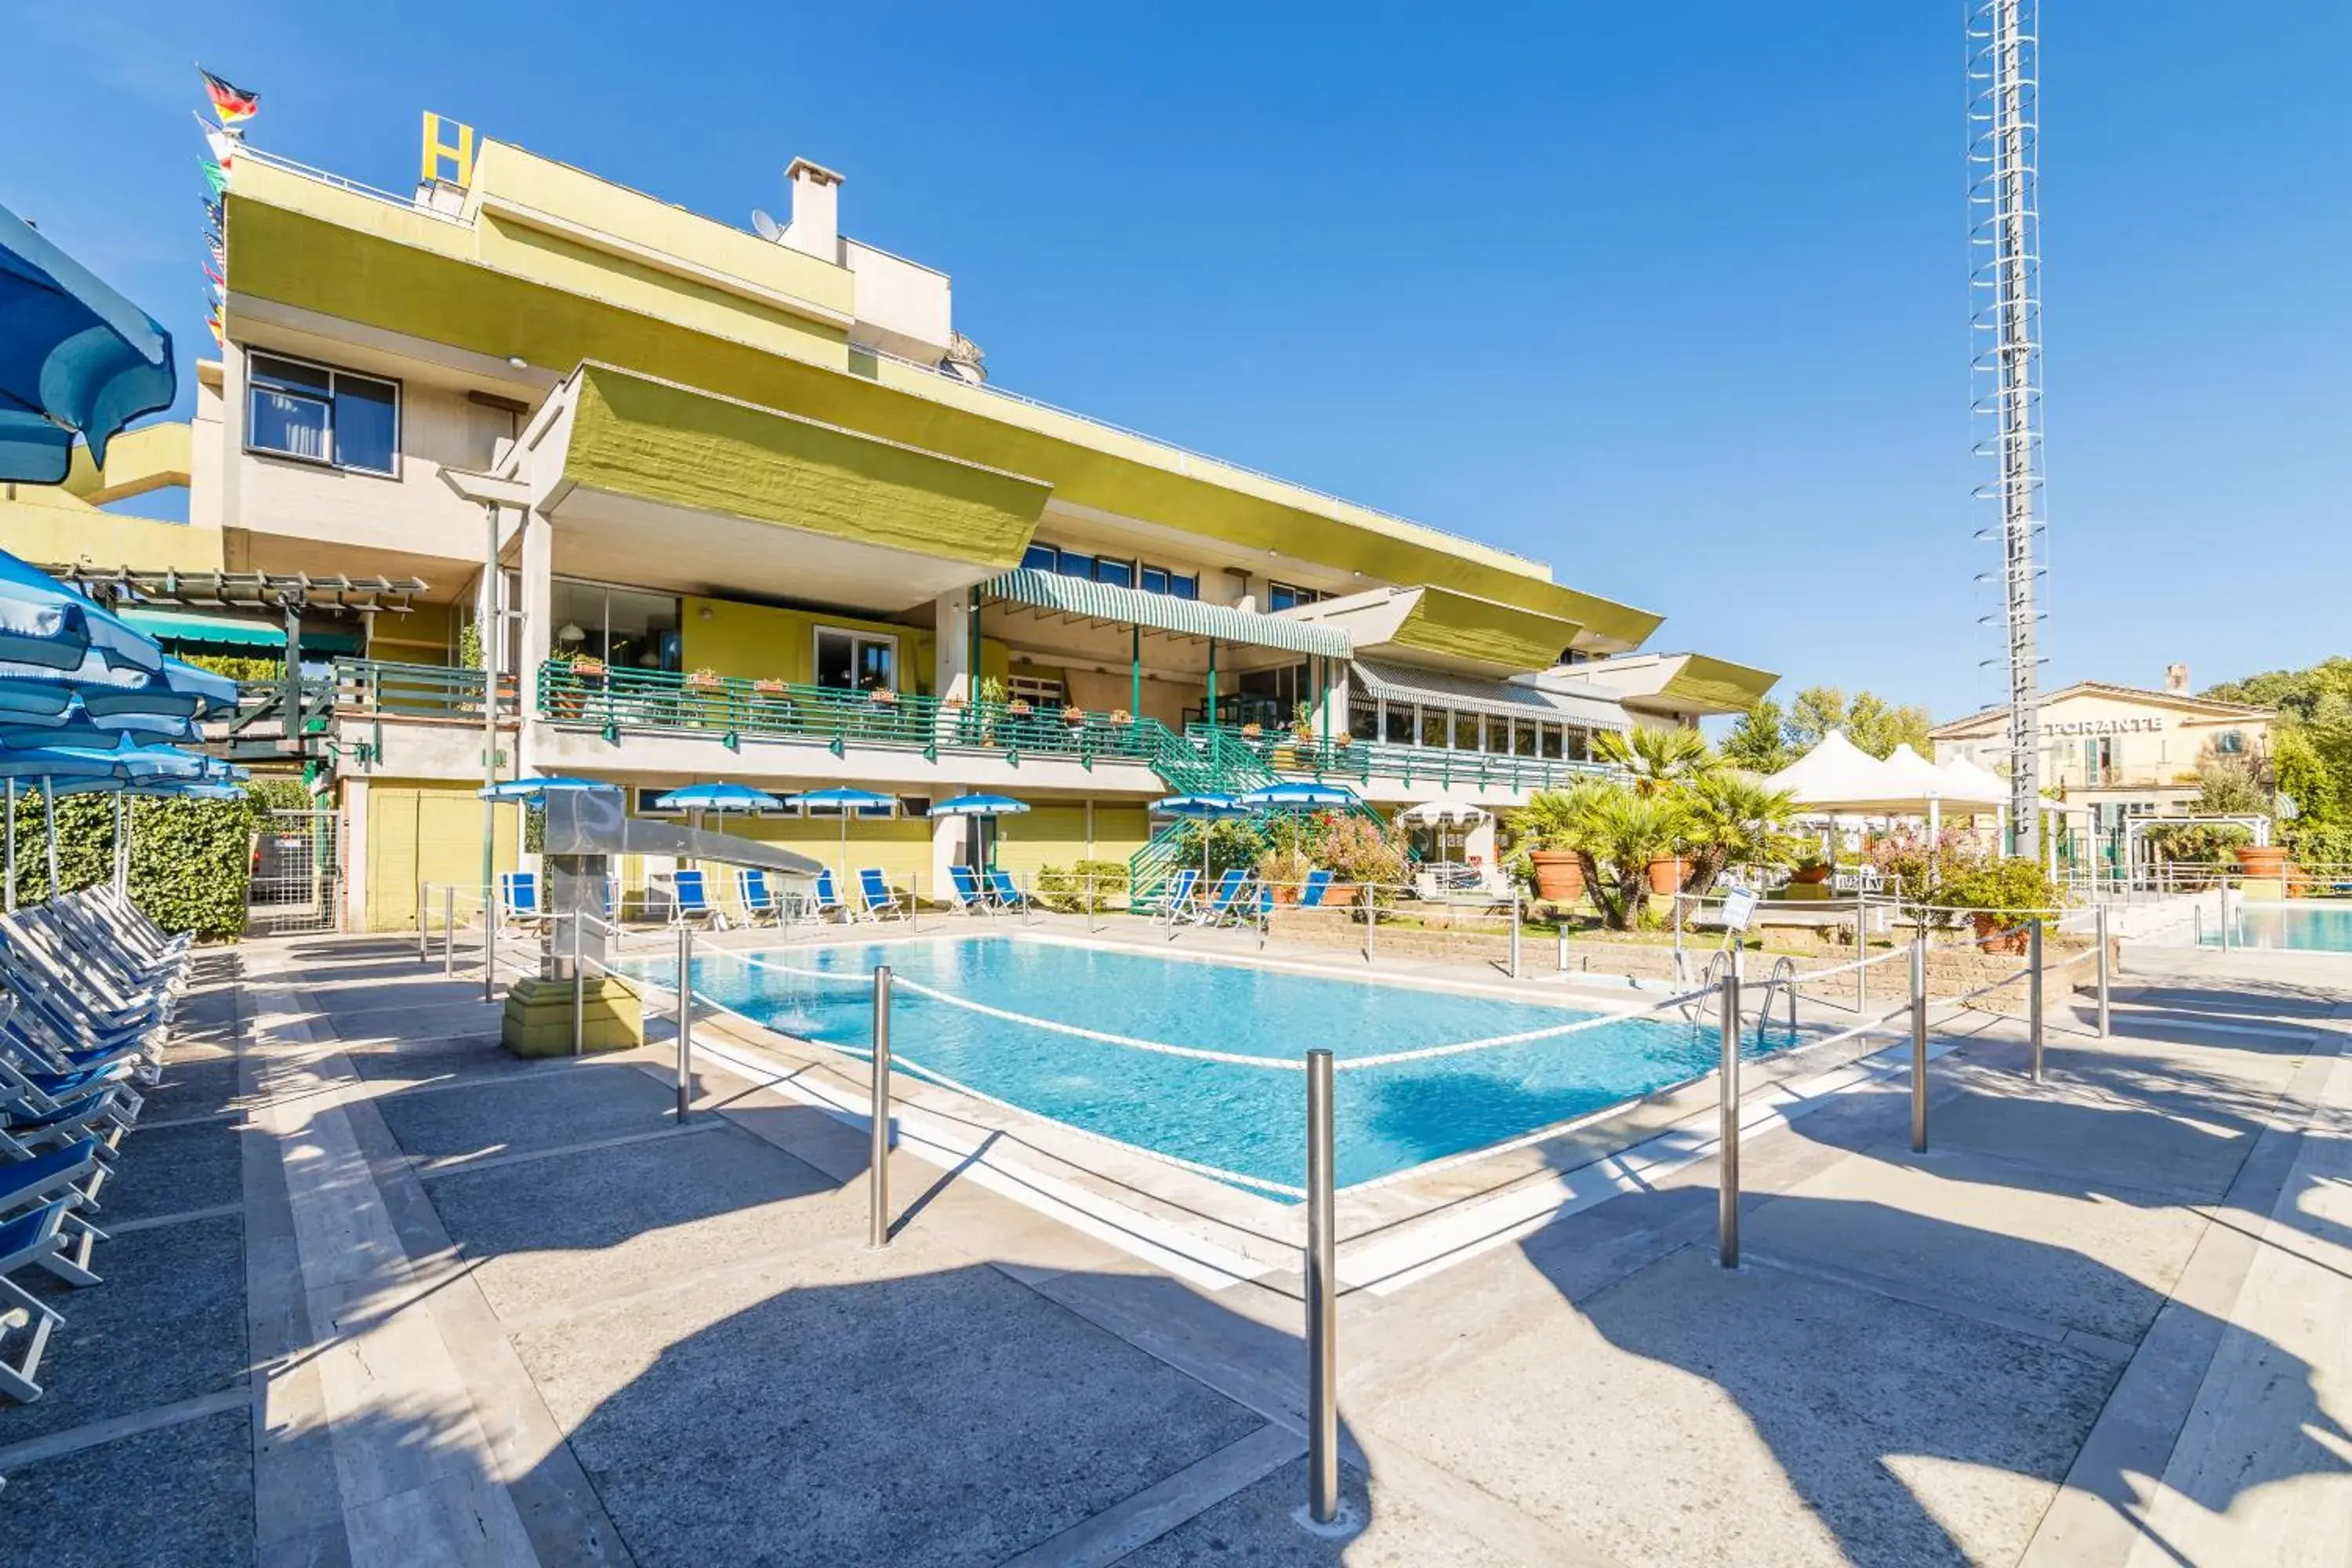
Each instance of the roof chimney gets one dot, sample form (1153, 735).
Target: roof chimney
(2176, 679)
(816, 228)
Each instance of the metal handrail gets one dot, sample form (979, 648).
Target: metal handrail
(416, 690)
(1282, 750)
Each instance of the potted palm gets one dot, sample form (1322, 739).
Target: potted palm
(1618, 831)
(1735, 820)
(1543, 827)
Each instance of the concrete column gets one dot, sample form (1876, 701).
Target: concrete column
(947, 850)
(953, 657)
(537, 633)
(354, 850)
(1334, 700)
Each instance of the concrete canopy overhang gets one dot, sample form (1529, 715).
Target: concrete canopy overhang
(651, 482)
(1439, 628)
(1682, 685)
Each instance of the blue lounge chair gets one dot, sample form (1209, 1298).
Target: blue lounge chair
(881, 903)
(828, 898)
(1004, 893)
(1311, 891)
(518, 902)
(763, 904)
(691, 899)
(73, 1172)
(965, 891)
(34, 1236)
(1224, 903)
(1175, 894)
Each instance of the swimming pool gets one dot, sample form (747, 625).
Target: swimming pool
(1229, 1116)
(2297, 927)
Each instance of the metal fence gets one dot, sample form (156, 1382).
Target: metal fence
(297, 874)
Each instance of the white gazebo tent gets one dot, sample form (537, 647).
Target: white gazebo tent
(1989, 788)
(1837, 775)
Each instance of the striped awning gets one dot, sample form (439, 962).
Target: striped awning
(1164, 612)
(213, 633)
(1496, 699)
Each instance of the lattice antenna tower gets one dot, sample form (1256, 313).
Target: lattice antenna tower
(2005, 296)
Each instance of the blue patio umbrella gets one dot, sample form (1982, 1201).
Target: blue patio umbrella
(985, 806)
(1203, 809)
(74, 356)
(532, 789)
(43, 622)
(96, 694)
(848, 801)
(717, 798)
(79, 729)
(1299, 796)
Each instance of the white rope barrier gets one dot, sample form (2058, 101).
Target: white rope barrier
(1524, 1037)
(1850, 965)
(1195, 1053)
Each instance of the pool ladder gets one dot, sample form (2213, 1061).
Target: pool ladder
(1781, 980)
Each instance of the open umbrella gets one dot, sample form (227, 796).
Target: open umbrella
(1446, 811)
(42, 622)
(988, 806)
(532, 789)
(1299, 795)
(1202, 809)
(74, 356)
(846, 801)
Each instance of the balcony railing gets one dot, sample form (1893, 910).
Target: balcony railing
(1439, 768)
(371, 686)
(736, 709)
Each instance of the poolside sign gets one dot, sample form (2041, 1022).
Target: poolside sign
(1738, 908)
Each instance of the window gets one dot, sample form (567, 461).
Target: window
(1363, 716)
(1396, 725)
(1284, 595)
(319, 415)
(857, 661)
(1155, 580)
(1167, 580)
(1523, 738)
(1184, 584)
(1077, 566)
(1035, 691)
(1434, 726)
(626, 628)
(1042, 558)
(1119, 574)
(1551, 742)
(2230, 743)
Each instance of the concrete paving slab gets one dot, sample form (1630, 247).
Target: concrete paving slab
(427, 1060)
(413, 1024)
(167, 1323)
(172, 1170)
(192, 1085)
(1257, 1528)
(564, 1228)
(1759, 1418)
(183, 1494)
(945, 1419)
(2099, 1140)
(508, 1114)
(1983, 1233)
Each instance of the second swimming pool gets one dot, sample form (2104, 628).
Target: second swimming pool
(1229, 1116)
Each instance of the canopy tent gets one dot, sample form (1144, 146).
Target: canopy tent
(75, 356)
(1837, 775)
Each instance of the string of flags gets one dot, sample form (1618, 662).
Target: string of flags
(224, 143)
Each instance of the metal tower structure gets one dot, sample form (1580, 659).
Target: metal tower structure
(2005, 292)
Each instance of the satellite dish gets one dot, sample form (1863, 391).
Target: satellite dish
(765, 227)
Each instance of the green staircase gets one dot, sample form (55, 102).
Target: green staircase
(1207, 762)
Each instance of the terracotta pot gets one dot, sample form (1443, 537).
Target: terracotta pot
(2265, 860)
(1668, 872)
(1560, 875)
(1986, 924)
(1284, 892)
(1810, 875)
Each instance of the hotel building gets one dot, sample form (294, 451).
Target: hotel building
(744, 505)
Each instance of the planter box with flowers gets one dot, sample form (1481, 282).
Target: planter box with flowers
(1252, 731)
(1073, 715)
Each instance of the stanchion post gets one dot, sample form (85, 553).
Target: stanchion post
(2225, 914)
(685, 1019)
(1371, 922)
(1028, 898)
(450, 929)
(878, 1159)
(579, 988)
(423, 924)
(1322, 1299)
(1515, 933)
(2197, 924)
(2100, 926)
(1726, 1211)
(1862, 951)
(490, 947)
(1563, 944)
(1676, 922)
(1091, 926)
(1919, 1042)
(2033, 996)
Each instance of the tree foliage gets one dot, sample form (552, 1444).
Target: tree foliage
(1759, 740)
(189, 859)
(2310, 753)
(1873, 724)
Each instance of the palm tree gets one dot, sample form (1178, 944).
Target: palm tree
(1616, 832)
(1735, 820)
(1662, 762)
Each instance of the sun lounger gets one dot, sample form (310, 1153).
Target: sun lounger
(1005, 892)
(762, 901)
(71, 1171)
(828, 899)
(690, 901)
(1175, 894)
(1222, 904)
(1311, 891)
(881, 902)
(55, 1239)
(965, 891)
(519, 905)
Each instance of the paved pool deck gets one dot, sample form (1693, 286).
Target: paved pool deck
(381, 1294)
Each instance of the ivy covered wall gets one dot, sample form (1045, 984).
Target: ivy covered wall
(189, 859)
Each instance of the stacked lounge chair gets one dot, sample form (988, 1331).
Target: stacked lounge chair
(88, 985)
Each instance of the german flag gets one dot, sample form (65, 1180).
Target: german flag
(231, 102)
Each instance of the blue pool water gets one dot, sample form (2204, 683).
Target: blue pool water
(2307, 928)
(1232, 1117)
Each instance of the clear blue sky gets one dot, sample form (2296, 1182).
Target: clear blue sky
(1673, 296)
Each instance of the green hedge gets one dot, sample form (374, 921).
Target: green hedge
(189, 859)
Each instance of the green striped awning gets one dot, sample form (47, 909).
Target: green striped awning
(1164, 612)
(216, 634)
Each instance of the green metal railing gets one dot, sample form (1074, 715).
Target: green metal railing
(414, 690)
(736, 709)
(1360, 761)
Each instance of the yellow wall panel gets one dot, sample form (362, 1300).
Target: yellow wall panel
(429, 832)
